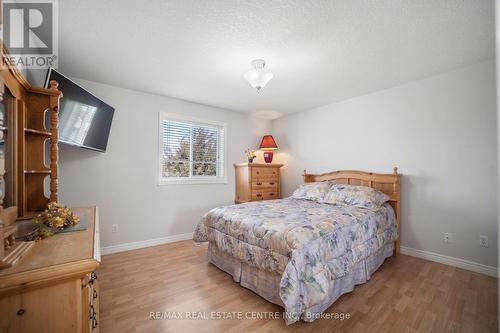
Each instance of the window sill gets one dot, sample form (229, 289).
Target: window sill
(174, 181)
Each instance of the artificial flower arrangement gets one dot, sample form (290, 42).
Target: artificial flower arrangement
(250, 155)
(56, 217)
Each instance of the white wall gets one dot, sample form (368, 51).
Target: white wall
(123, 181)
(497, 48)
(442, 134)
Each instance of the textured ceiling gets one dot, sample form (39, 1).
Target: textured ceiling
(320, 51)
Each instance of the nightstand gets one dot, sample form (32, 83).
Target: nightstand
(257, 181)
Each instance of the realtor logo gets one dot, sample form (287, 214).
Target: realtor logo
(30, 32)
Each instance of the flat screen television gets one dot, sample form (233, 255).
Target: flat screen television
(84, 119)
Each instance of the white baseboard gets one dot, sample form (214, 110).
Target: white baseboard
(452, 261)
(145, 243)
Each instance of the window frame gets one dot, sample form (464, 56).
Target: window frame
(191, 179)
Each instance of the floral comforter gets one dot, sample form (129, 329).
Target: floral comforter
(306, 242)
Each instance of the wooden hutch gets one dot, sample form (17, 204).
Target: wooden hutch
(28, 143)
(50, 285)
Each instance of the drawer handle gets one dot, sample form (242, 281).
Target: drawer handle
(259, 183)
(271, 183)
(93, 317)
(20, 312)
(93, 277)
(272, 194)
(259, 195)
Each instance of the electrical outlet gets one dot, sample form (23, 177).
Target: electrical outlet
(114, 228)
(447, 237)
(483, 240)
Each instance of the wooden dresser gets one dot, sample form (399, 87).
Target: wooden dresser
(54, 287)
(256, 181)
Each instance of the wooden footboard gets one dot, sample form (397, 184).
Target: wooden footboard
(389, 183)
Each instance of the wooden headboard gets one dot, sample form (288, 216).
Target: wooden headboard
(389, 183)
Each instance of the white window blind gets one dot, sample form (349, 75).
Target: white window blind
(191, 151)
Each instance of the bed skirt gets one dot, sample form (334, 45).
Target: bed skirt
(267, 284)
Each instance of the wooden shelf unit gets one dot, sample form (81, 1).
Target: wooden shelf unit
(33, 135)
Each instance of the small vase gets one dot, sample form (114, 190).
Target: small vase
(250, 160)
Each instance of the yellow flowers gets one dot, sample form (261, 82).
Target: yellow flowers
(55, 217)
(56, 222)
(250, 153)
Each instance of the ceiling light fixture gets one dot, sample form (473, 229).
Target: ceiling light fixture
(259, 75)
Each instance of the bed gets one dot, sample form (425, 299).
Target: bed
(302, 253)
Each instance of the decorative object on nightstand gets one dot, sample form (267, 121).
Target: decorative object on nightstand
(268, 145)
(257, 181)
(250, 155)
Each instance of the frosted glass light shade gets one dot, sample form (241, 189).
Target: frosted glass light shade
(258, 76)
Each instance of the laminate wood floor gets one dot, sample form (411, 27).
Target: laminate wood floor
(405, 295)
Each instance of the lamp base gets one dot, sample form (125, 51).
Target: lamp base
(268, 156)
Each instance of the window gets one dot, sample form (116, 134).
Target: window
(191, 150)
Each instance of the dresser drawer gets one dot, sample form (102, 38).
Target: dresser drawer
(264, 195)
(264, 185)
(52, 308)
(266, 174)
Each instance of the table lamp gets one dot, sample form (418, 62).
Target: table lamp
(268, 145)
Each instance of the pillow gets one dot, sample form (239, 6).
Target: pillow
(355, 195)
(312, 191)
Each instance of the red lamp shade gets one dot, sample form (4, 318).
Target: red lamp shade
(268, 145)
